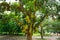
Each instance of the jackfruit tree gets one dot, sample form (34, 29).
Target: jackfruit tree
(25, 14)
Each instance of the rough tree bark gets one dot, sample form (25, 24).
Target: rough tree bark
(29, 33)
(29, 36)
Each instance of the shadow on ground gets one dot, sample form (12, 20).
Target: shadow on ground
(58, 38)
(10, 37)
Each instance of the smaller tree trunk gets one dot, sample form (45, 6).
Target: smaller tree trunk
(41, 32)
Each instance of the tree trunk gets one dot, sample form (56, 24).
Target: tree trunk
(41, 25)
(41, 32)
(29, 36)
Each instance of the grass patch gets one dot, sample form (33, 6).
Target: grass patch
(40, 39)
(47, 35)
(36, 34)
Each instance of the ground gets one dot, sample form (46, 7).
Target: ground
(9, 37)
